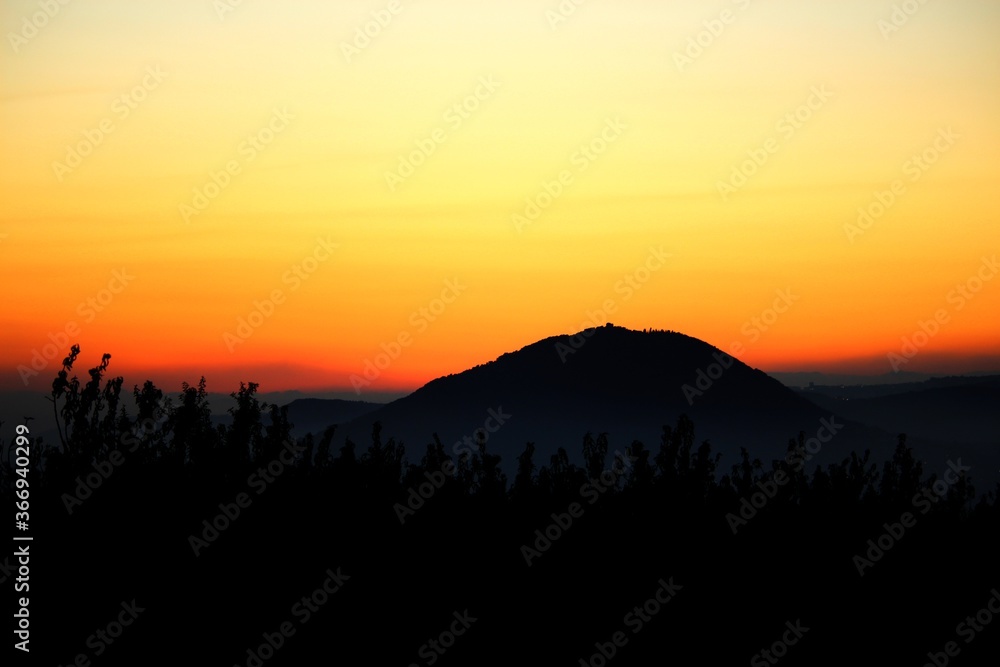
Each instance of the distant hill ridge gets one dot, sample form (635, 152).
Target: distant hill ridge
(610, 379)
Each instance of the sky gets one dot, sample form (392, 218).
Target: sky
(366, 195)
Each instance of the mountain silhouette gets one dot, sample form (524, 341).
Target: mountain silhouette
(313, 415)
(962, 408)
(613, 380)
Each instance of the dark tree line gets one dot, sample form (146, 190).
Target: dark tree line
(421, 540)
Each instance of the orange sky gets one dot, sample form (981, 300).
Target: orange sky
(475, 176)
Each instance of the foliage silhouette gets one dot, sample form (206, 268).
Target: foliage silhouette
(663, 516)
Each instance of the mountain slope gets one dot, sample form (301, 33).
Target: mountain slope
(623, 382)
(313, 415)
(963, 409)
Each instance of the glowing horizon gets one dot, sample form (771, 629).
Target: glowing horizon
(809, 182)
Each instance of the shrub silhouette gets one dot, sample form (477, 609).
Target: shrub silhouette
(664, 516)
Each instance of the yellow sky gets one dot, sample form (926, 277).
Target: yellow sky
(211, 149)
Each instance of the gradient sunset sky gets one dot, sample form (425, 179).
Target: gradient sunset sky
(166, 165)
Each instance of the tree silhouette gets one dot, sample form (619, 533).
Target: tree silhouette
(663, 515)
(243, 438)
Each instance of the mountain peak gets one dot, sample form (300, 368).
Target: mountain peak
(610, 379)
(617, 363)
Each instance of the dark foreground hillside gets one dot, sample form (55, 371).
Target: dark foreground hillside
(162, 539)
